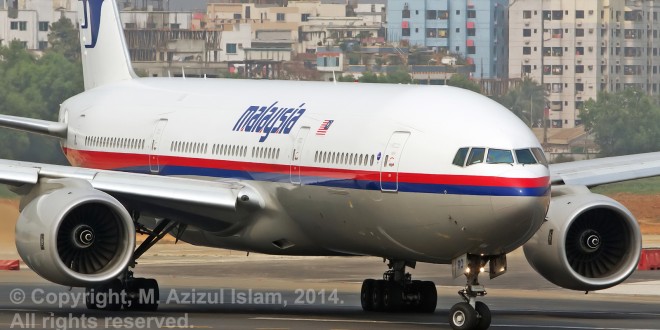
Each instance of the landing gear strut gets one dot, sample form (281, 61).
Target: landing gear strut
(127, 291)
(472, 314)
(398, 292)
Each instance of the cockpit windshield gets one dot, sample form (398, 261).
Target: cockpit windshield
(524, 156)
(467, 156)
(499, 156)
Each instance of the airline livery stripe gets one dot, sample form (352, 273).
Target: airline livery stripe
(340, 178)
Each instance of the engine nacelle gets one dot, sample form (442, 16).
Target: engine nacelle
(72, 234)
(589, 241)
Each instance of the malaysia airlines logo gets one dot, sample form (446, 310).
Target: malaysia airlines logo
(269, 120)
(91, 20)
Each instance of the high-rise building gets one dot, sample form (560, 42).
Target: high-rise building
(475, 29)
(578, 48)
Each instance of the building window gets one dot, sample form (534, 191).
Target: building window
(579, 69)
(527, 69)
(472, 14)
(471, 50)
(471, 32)
(527, 14)
(237, 16)
(579, 14)
(431, 33)
(579, 32)
(443, 14)
(527, 32)
(579, 87)
(304, 17)
(13, 26)
(280, 17)
(405, 32)
(557, 33)
(43, 45)
(527, 50)
(557, 70)
(43, 26)
(442, 33)
(557, 15)
(405, 13)
(231, 48)
(22, 26)
(431, 14)
(458, 12)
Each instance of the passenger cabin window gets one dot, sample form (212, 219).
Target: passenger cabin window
(476, 156)
(524, 156)
(459, 159)
(499, 156)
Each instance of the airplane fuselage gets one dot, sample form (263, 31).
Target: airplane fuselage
(354, 171)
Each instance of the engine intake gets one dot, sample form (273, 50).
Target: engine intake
(72, 234)
(589, 241)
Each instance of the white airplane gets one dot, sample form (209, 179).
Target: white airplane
(407, 173)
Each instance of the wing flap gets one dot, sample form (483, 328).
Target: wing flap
(599, 171)
(219, 195)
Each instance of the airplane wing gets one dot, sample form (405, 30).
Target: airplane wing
(599, 171)
(148, 191)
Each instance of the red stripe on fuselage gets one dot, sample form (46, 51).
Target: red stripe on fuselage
(110, 161)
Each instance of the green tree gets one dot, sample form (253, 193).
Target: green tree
(623, 123)
(527, 101)
(346, 78)
(64, 39)
(459, 80)
(368, 77)
(34, 87)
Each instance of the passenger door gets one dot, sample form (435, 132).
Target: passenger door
(154, 165)
(389, 164)
(296, 154)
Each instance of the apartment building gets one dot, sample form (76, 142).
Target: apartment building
(578, 48)
(29, 20)
(475, 29)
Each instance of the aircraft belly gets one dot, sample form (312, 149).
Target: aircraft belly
(316, 220)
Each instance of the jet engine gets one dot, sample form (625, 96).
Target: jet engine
(72, 234)
(589, 241)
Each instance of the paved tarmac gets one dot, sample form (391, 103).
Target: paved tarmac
(218, 289)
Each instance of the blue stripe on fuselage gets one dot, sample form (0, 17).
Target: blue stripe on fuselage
(428, 188)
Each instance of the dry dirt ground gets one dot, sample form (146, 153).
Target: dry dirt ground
(646, 209)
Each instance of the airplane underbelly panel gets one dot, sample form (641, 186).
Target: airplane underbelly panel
(424, 227)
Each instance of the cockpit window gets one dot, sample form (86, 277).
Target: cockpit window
(525, 156)
(540, 156)
(476, 156)
(499, 156)
(459, 159)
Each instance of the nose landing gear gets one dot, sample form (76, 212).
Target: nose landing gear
(472, 314)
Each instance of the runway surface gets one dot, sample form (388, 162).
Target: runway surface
(217, 289)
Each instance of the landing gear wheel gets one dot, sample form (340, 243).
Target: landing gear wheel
(366, 295)
(462, 317)
(106, 297)
(484, 315)
(392, 297)
(377, 296)
(142, 295)
(429, 297)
